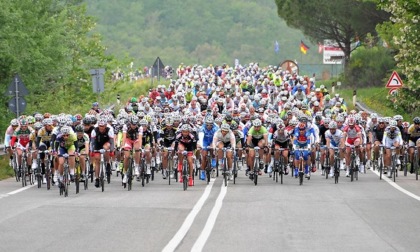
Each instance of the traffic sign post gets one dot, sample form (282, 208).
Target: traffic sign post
(18, 89)
(98, 83)
(394, 81)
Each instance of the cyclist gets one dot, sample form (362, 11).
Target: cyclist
(131, 138)
(167, 139)
(32, 144)
(224, 138)
(188, 142)
(43, 141)
(377, 135)
(82, 148)
(21, 137)
(65, 144)
(239, 139)
(14, 124)
(281, 139)
(257, 136)
(147, 144)
(392, 137)
(413, 139)
(302, 140)
(206, 134)
(102, 137)
(353, 137)
(333, 138)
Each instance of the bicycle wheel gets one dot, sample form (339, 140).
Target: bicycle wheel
(108, 173)
(23, 172)
(224, 172)
(66, 181)
(352, 165)
(143, 173)
(416, 164)
(255, 177)
(129, 175)
(405, 163)
(235, 166)
(184, 175)
(91, 173)
(77, 179)
(48, 173)
(380, 167)
(102, 176)
(39, 176)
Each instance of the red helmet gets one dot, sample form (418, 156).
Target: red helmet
(302, 126)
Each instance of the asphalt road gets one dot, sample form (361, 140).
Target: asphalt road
(365, 215)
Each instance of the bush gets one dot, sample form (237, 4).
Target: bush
(369, 67)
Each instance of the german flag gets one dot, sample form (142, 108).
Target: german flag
(303, 48)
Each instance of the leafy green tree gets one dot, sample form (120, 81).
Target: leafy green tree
(344, 21)
(402, 32)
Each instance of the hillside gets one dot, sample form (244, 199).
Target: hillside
(197, 31)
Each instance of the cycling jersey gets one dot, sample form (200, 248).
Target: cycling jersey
(414, 134)
(334, 138)
(147, 137)
(131, 133)
(391, 137)
(257, 134)
(208, 134)
(22, 136)
(189, 141)
(228, 139)
(100, 138)
(352, 134)
(44, 136)
(65, 145)
(378, 133)
(81, 142)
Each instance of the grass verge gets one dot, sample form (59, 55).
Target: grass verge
(375, 98)
(5, 170)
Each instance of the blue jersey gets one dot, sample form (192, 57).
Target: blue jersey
(303, 140)
(208, 134)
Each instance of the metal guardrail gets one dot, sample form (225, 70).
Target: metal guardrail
(361, 106)
(2, 150)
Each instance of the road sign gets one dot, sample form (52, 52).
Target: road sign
(98, 84)
(20, 107)
(16, 83)
(394, 81)
(158, 68)
(393, 91)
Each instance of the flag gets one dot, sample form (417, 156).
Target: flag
(320, 47)
(276, 47)
(303, 48)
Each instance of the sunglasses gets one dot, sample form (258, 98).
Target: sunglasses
(66, 135)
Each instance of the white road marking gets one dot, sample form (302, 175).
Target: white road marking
(399, 188)
(202, 239)
(16, 191)
(179, 236)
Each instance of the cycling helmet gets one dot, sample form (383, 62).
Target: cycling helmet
(185, 127)
(225, 126)
(95, 104)
(332, 125)
(14, 122)
(143, 122)
(233, 126)
(381, 120)
(302, 126)
(134, 119)
(392, 123)
(373, 116)
(280, 125)
(48, 121)
(78, 117)
(37, 125)
(351, 121)
(23, 122)
(62, 121)
(47, 115)
(38, 117)
(209, 120)
(416, 120)
(228, 118)
(86, 121)
(30, 119)
(293, 122)
(65, 130)
(169, 122)
(177, 118)
(218, 120)
(133, 100)
(398, 117)
(79, 128)
(102, 122)
(256, 123)
(386, 120)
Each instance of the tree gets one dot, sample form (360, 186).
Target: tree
(405, 38)
(344, 21)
